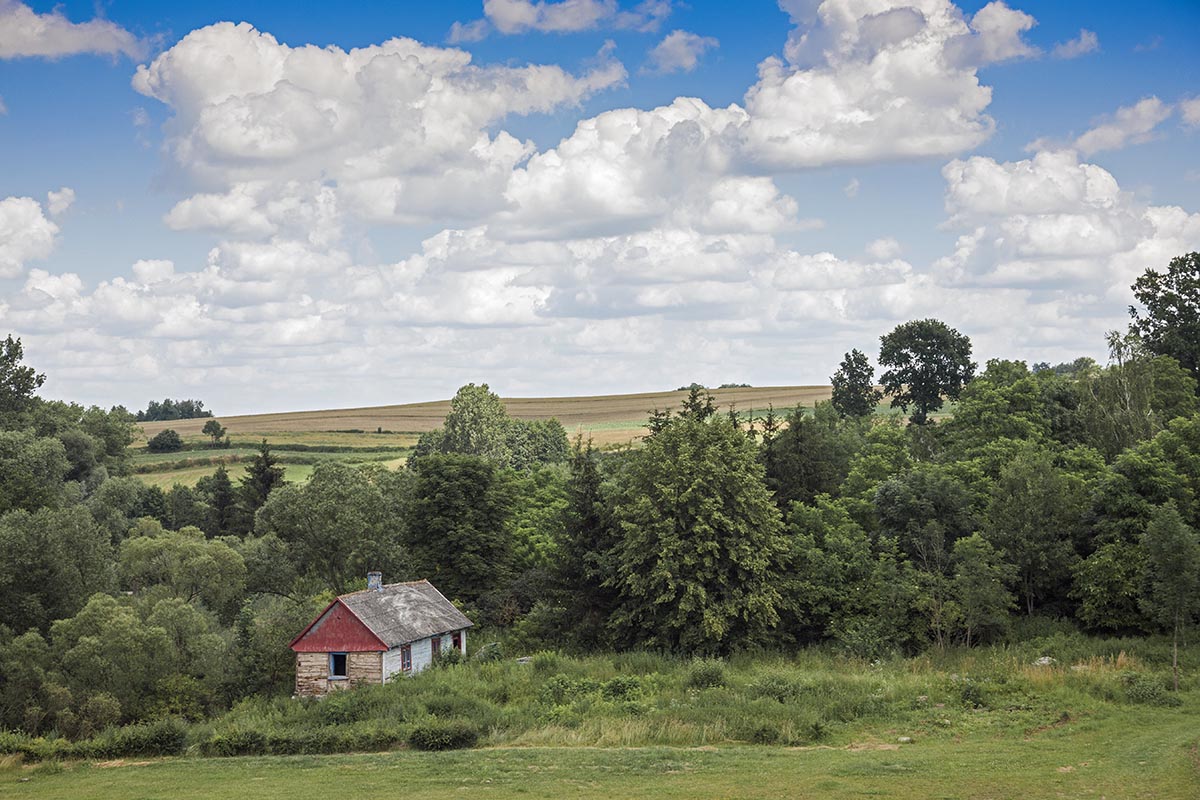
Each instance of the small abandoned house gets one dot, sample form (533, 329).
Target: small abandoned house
(374, 635)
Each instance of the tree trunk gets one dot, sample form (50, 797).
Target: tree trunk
(1175, 656)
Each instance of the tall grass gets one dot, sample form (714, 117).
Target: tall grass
(643, 699)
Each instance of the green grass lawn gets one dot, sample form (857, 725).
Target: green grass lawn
(1126, 753)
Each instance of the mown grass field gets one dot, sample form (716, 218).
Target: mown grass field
(1136, 754)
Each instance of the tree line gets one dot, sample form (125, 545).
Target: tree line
(1069, 492)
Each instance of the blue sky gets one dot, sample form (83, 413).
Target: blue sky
(515, 192)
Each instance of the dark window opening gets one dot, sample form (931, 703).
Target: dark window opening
(337, 665)
(406, 658)
(436, 644)
(457, 641)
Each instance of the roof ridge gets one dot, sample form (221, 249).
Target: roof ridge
(386, 586)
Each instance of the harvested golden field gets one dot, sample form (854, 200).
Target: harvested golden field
(607, 419)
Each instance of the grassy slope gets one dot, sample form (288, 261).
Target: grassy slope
(609, 419)
(1136, 753)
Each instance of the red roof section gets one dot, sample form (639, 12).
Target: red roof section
(337, 630)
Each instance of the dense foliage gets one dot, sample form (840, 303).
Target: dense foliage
(169, 410)
(1067, 493)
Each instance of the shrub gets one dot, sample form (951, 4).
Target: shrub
(443, 735)
(235, 742)
(706, 674)
(448, 658)
(765, 733)
(454, 705)
(166, 441)
(622, 687)
(557, 690)
(1147, 690)
(99, 711)
(489, 652)
(164, 737)
(777, 687)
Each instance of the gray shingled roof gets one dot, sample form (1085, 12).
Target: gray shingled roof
(400, 613)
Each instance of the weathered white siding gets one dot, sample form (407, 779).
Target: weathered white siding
(391, 664)
(422, 654)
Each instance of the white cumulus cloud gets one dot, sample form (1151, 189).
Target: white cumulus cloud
(24, 33)
(25, 234)
(680, 51)
(58, 202)
(1086, 42)
(1190, 111)
(1129, 125)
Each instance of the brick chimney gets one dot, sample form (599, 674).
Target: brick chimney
(375, 581)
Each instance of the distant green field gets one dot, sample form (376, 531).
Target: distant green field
(189, 477)
(1139, 753)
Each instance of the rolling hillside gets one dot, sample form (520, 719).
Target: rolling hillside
(608, 419)
(383, 433)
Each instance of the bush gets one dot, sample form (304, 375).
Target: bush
(765, 733)
(706, 674)
(622, 687)
(235, 742)
(167, 441)
(448, 658)
(164, 737)
(1147, 690)
(777, 687)
(443, 735)
(488, 653)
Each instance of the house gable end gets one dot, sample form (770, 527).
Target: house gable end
(337, 629)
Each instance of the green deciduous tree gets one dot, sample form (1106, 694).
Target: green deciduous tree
(1170, 321)
(50, 563)
(17, 383)
(811, 456)
(188, 565)
(698, 562)
(1171, 595)
(828, 575)
(1035, 515)
(854, 392)
(32, 470)
(165, 441)
(1134, 397)
(926, 360)
(336, 526)
(214, 429)
(980, 588)
(459, 528)
(477, 425)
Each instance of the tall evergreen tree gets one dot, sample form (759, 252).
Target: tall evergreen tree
(698, 564)
(221, 499)
(262, 475)
(459, 525)
(586, 548)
